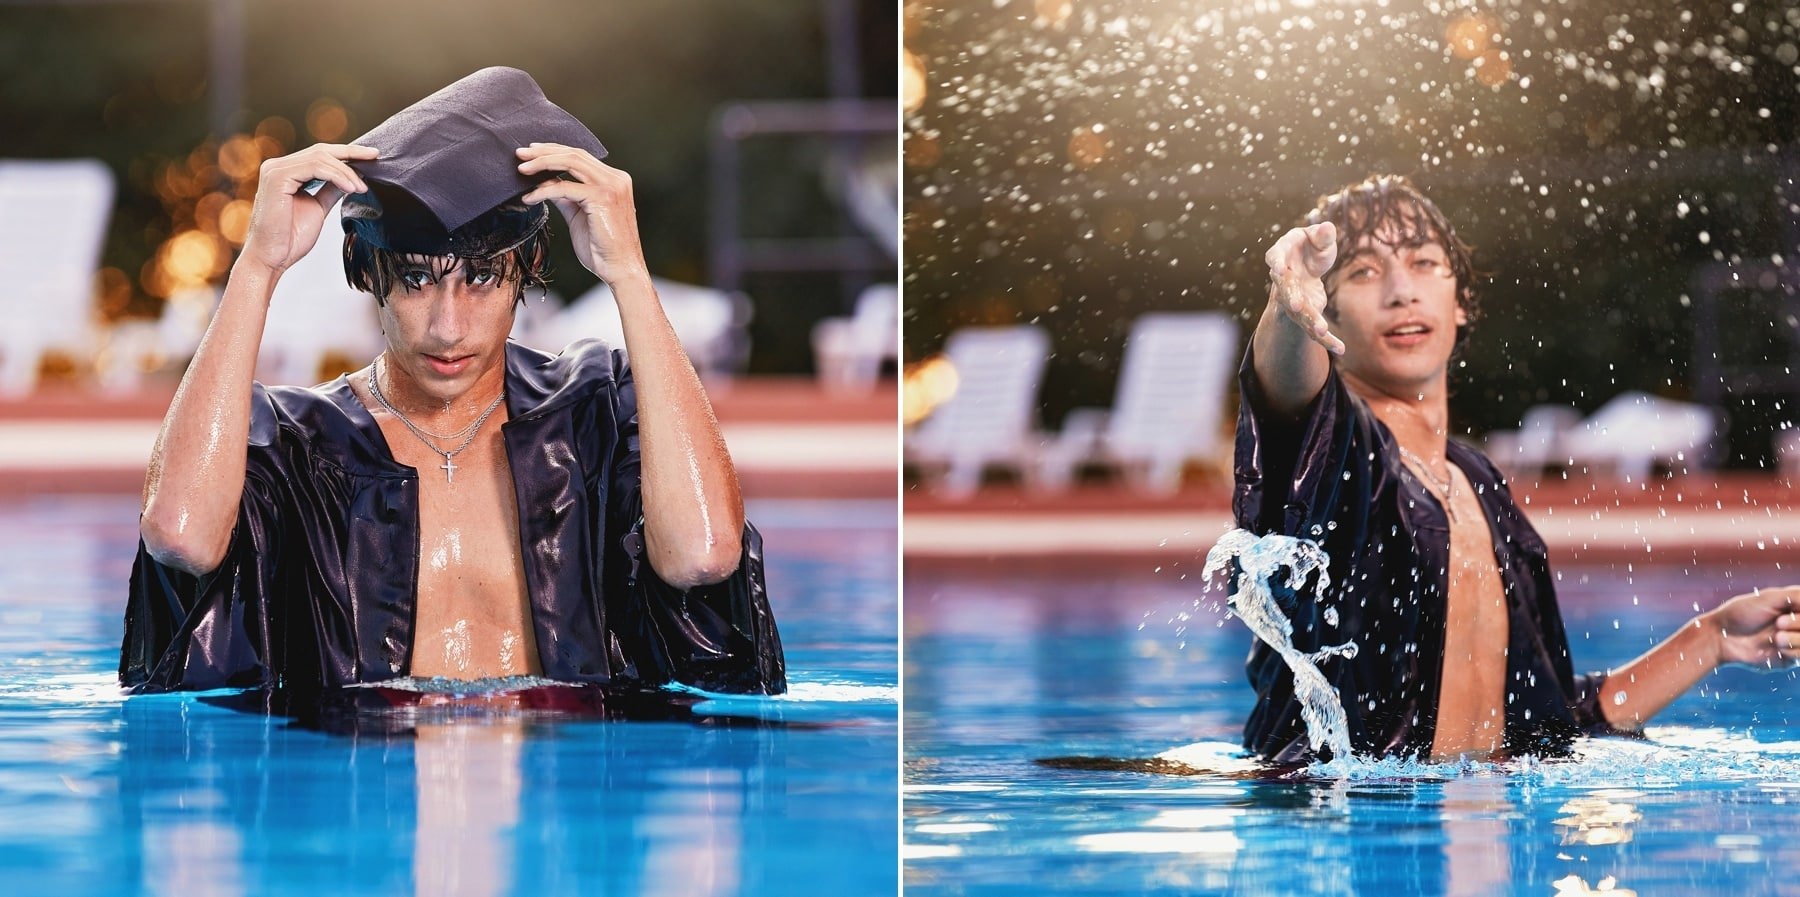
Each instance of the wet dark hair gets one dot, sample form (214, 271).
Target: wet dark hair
(1389, 201)
(378, 271)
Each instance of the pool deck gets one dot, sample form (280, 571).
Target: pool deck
(1727, 517)
(788, 437)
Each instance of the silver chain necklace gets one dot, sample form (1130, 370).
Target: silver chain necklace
(1446, 486)
(449, 465)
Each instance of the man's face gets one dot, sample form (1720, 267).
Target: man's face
(1394, 306)
(445, 332)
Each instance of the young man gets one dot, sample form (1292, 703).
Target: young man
(1436, 574)
(464, 506)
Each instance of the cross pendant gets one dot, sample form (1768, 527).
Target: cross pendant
(449, 469)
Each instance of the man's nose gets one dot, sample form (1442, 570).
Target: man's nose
(1400, 289)
(449, 317)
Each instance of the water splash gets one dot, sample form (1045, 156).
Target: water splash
(1261, 559)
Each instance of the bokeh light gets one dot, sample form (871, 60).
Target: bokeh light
(239, 157)
(912, 84)
(1089, 146)
(327, 121)
(927, 385)
(1054, 12)
(234, 221)
(1471, 36)
(1493, 68)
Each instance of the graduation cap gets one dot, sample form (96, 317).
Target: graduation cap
(448, 182)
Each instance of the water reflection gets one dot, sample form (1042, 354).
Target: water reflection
(469, 781)
(464, 801)
(1477, 836)
(1605, 817)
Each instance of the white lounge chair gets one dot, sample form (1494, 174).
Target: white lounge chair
(1538, 444)
(1169, 408)
(1787, 452)
(713, 325)
(989, 420)
(53, 218)
(849, 352)
(1634, 433)
(133, 348)
(315, 314)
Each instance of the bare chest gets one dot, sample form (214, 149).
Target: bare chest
(472, 617)
(1471, 711)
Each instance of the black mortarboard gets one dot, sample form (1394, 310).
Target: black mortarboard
(447, 182)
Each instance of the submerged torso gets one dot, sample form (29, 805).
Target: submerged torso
(473, 617)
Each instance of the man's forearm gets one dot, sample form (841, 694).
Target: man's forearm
(1290, 366)
(1640, 689)
(196, 473)
(693, 512)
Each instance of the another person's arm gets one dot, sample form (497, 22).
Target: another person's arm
(693, 512)
(1292, 341)
(196, 472)
(1760, 629)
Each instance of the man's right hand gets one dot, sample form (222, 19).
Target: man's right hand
(1297, 262)
(285, 222)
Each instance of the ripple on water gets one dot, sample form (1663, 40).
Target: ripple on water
(1669, 755)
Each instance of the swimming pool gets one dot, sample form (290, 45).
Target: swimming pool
(100, 795)
(1126, 665)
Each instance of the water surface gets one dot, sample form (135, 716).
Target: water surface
(170, 794)
(1003, 672)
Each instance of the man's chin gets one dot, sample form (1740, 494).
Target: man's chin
(1402, 376)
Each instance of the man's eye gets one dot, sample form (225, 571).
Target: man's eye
(1425, 264)
(1361, 273)
(481, 278)
(415, 279)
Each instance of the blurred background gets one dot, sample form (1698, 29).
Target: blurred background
(757, 135)
(761, 138)
(1625, 171)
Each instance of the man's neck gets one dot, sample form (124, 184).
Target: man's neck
(428, 410)
(1419, 416)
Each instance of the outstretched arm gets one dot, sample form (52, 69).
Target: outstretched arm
(1292, 339)
(1760, 629)
(196, 473)
(693, 513)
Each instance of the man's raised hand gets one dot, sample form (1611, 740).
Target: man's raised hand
(595, 198)
(285, 222)
(1297, 262)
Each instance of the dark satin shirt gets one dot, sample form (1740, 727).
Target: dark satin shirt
(1335, 476)
(319, 585)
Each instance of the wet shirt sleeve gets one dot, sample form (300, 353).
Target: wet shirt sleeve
(186, 632)
(719, 637)
(1315, 476)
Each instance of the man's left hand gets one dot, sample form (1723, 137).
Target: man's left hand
(1760, 629)
(595, 198)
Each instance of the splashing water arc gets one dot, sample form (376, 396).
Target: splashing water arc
(1261, 559)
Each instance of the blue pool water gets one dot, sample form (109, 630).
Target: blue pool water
(100, 795)
(1124, 664)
